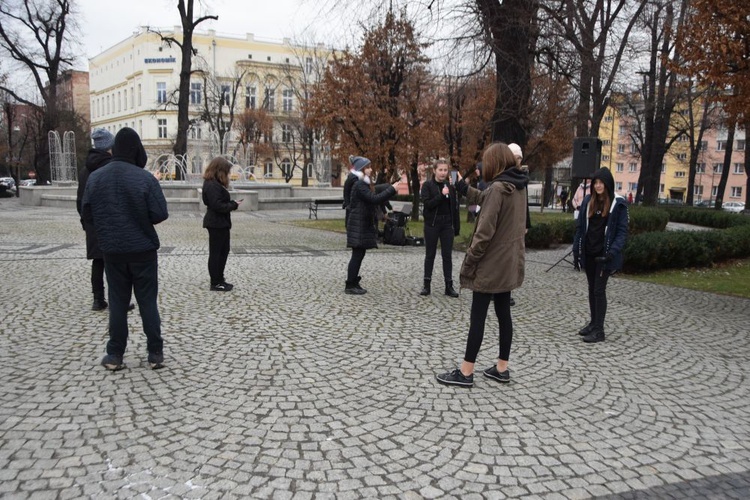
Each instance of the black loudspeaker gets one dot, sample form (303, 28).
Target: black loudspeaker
(587, 152)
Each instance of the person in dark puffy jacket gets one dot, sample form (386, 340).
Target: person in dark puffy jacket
(601, 233)
(218, 220)
(124, 202)
(361, 227)
(441, 223)
(97, 157)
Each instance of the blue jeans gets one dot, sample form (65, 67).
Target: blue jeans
(123, 278)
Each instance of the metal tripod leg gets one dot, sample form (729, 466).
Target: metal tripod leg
(564, 258)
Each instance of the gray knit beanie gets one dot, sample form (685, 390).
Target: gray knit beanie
(103, 139)
(358, 162)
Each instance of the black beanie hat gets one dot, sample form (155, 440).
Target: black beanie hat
(128, 147)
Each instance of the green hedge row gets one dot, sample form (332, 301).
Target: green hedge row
(642, 220)
(706, 217)
(680, 249)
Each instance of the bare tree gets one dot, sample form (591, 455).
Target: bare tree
(220, 93)
(36, 35)
(189, 23)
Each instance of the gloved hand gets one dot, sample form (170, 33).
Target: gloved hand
(604, 258)
(577, 266)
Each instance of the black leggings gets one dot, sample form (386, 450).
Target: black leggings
(597, 277)
(218, 251)
(358, 254)
(480, 302)
(443, 231)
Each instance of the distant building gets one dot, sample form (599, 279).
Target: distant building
(134, 84)
(73, 94)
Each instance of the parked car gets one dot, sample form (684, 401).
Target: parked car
(7, 186)
(733, 206)
(670, 201)
(704, 204)
(28, 182)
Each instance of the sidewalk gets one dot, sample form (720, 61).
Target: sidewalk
(288, 388)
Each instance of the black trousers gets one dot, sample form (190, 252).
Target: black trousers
(358, 255)
(218, 252)
(124, 278)
(597, 277)
(97, 278)
(480, 303)
(442, 231)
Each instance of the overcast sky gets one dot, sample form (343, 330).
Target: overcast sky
(104, 24)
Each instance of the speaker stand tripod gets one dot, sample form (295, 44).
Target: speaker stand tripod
(564, 258)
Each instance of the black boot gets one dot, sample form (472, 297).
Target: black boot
(99, 303)
(357, 286)
(426, 287)
(353, 289)
(596, 335)
(449, 291)
(586, 330)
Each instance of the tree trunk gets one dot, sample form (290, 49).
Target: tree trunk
(727, 163)
(183, 97)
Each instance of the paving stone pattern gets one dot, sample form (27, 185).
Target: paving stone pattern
(288, 388)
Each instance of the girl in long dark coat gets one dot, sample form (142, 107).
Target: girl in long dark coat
(361, 227)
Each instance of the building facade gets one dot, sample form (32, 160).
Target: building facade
(235, 81)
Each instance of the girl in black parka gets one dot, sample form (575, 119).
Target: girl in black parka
(441, 222)
(217, 220)
(361, 227)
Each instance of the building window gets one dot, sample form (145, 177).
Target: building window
(196, 93)
(633, 148)
(741, 145)
(286, 100)
(162, 126)
(736, 192)
(286, 133)
(132, 97)
(605, 157)
(269, 100)
(682, 156)
(161, 92)
(606, 142)
(286, 167)
(632, 186)
(714, 191)
(308, 65)
(698, 190)
(739, 168)
(119, 102)
(679, 173)
(139, 94)
(721, 145)
(125, 98)
(621, 148)
(196, 132)
(608, 118)
(623, 130)
(633, 167)
(661, 188)
(618, 186)
(268, 136)
(718, 168)
(225, 89)
(683, 138)
(700, 168)
(309, 170)
(704, 145)
(250, 96)
(619, 167)
(268, 169)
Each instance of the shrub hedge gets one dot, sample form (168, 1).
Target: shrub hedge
(706, 217)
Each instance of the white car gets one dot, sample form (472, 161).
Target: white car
(733, 206)
(7, 186)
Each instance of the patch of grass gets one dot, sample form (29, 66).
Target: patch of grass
(728, 278)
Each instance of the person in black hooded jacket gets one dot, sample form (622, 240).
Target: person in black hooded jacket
(218, 220)
(97, 157)
(601, 232)
(441, 222)
(124, 202)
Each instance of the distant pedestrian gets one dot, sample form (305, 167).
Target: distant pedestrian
(218, 220)
(601, 232)
(362, 224)
(441, 223)
(97, 157)
(495, 260)
(630, 198)
(564, 199)
(582, 190)
(124, 202)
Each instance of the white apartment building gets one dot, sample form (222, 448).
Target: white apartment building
(134, 83)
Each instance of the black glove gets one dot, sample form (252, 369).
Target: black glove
(576, 265)
(604, 258)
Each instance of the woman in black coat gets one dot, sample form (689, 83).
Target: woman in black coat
(217, 220)
(361, 227)
(441, 223)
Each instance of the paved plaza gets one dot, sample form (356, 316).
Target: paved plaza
(288, 388)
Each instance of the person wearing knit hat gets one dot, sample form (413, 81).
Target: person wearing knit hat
(103, 139)
(516, 150)
(356, 164)
(364, 201)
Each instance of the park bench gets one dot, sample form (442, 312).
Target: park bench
(323, 204)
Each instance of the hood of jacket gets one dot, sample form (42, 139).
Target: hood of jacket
(514, 176)
(128, 148)
(607, 179)
(97, 158)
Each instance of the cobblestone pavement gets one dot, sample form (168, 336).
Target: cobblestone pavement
(288, 388)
